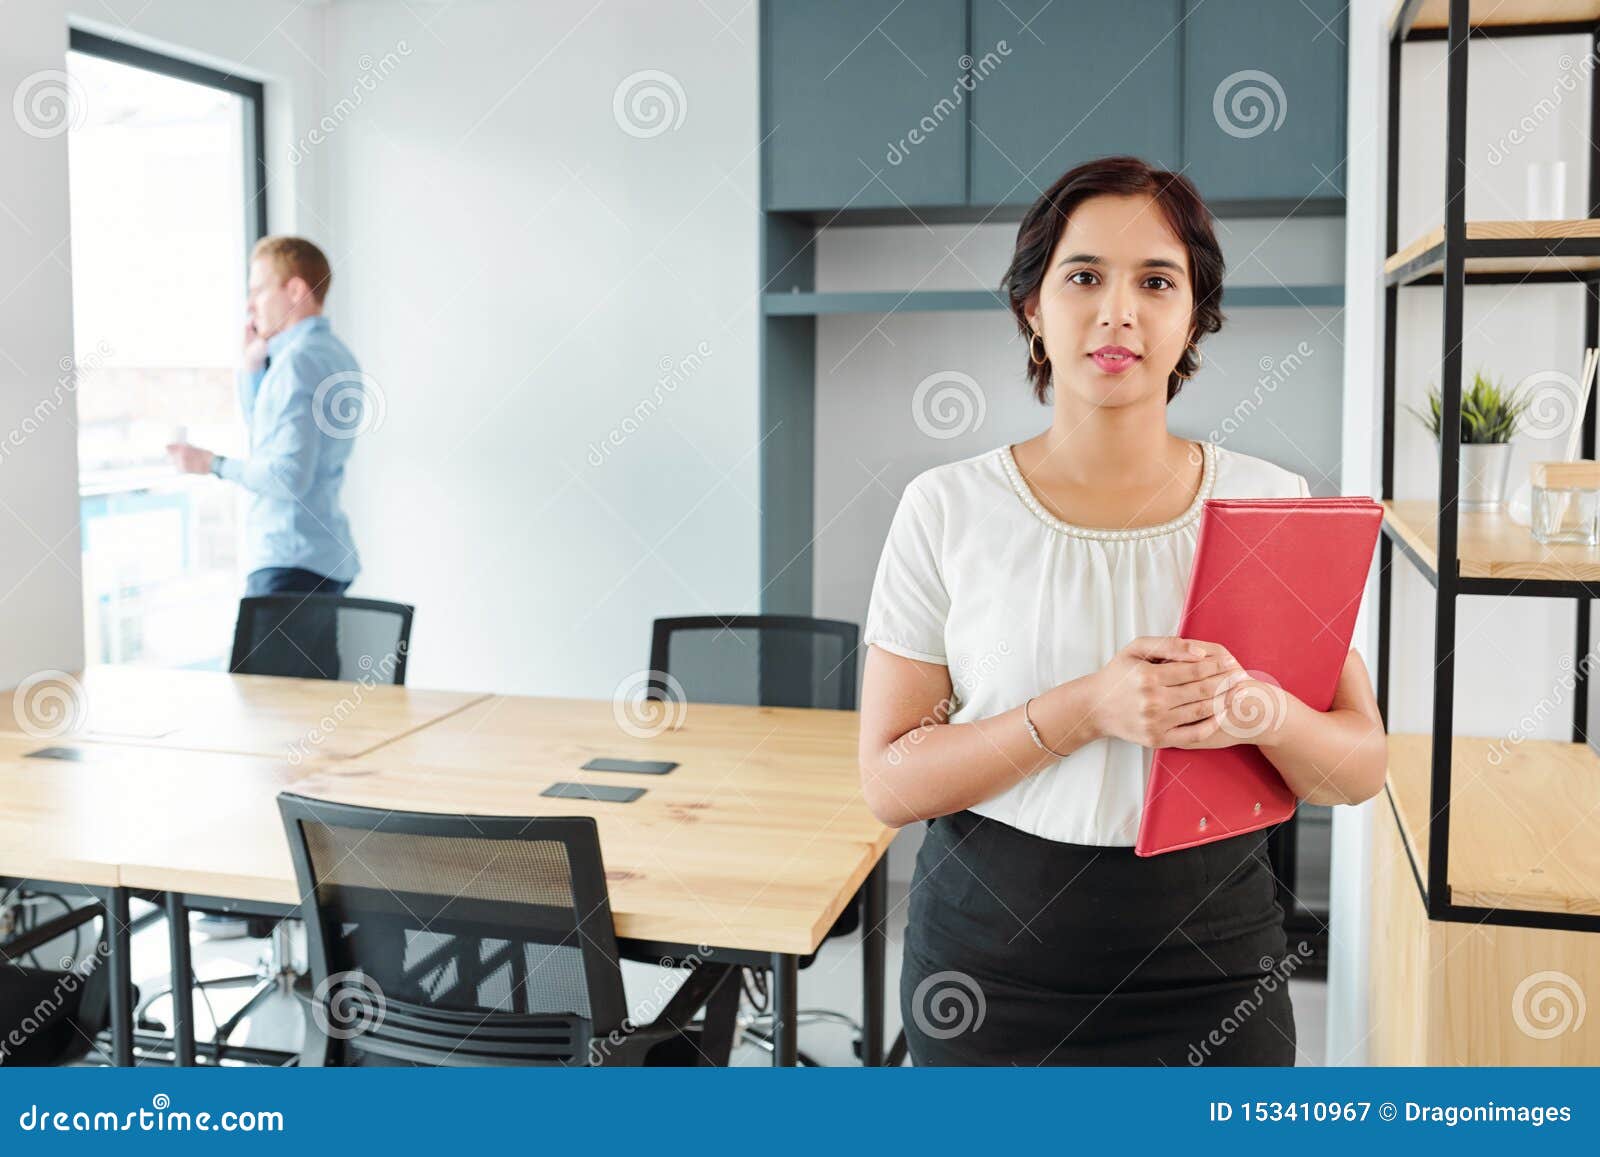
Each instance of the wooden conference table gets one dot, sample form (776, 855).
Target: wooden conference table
(165, 782)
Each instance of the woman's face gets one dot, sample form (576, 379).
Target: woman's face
(1119, 277)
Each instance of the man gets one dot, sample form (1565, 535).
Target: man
(296, 389)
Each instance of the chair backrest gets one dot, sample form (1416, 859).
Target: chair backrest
(757, 660)
(453, 940)
(322, 637)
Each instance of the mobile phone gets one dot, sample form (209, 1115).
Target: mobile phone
(637, 766)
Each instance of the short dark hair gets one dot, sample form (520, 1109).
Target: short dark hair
(1185, 212)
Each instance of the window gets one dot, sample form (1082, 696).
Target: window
(167, 196)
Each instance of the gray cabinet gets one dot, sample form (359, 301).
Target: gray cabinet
(860, 104)
(1078, 79)
(973, 104)
(1264, 107)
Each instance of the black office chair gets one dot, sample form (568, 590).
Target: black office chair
(757, 660)
(476, 940)
(67, 1008)
(304, 636)
(322, 637)
(762, 661)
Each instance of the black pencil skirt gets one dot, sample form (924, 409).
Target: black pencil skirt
(1022, 950)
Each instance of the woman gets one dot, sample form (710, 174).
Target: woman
(1021, 672)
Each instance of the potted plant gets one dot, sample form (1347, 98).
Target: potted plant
(1488, 419)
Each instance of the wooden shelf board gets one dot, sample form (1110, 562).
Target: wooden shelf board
(1524, 820)
(1503, 231)
(1490, 545)
(1495, 13)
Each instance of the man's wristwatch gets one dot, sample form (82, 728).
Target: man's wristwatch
(216, 464)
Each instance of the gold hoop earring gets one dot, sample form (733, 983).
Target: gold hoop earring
(1040, 358)
(1200, 360)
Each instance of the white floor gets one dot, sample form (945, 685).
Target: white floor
(832, 982)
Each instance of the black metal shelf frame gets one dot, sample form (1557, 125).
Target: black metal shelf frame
(1449, 584)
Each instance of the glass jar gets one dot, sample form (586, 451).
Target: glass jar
(1566, 514)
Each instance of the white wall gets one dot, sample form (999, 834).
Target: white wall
(518, 274)
(40, 586)
(40, 615)
(1350, 878)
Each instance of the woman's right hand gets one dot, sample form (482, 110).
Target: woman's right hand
(1156, 683)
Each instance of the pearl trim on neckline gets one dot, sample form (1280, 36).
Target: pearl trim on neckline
(1020, 485)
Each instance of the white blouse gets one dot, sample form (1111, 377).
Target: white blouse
(980, 577)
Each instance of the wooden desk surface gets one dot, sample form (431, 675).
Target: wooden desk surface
(813, 750)
(81, 821)
(299, 719)
(756, 841)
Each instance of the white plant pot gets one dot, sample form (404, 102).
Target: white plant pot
(1485, 466)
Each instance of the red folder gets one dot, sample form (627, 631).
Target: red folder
(1278, 582)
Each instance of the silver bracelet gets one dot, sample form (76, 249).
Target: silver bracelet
(1033, 733)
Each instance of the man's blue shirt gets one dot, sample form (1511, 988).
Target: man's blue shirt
(297, 410)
